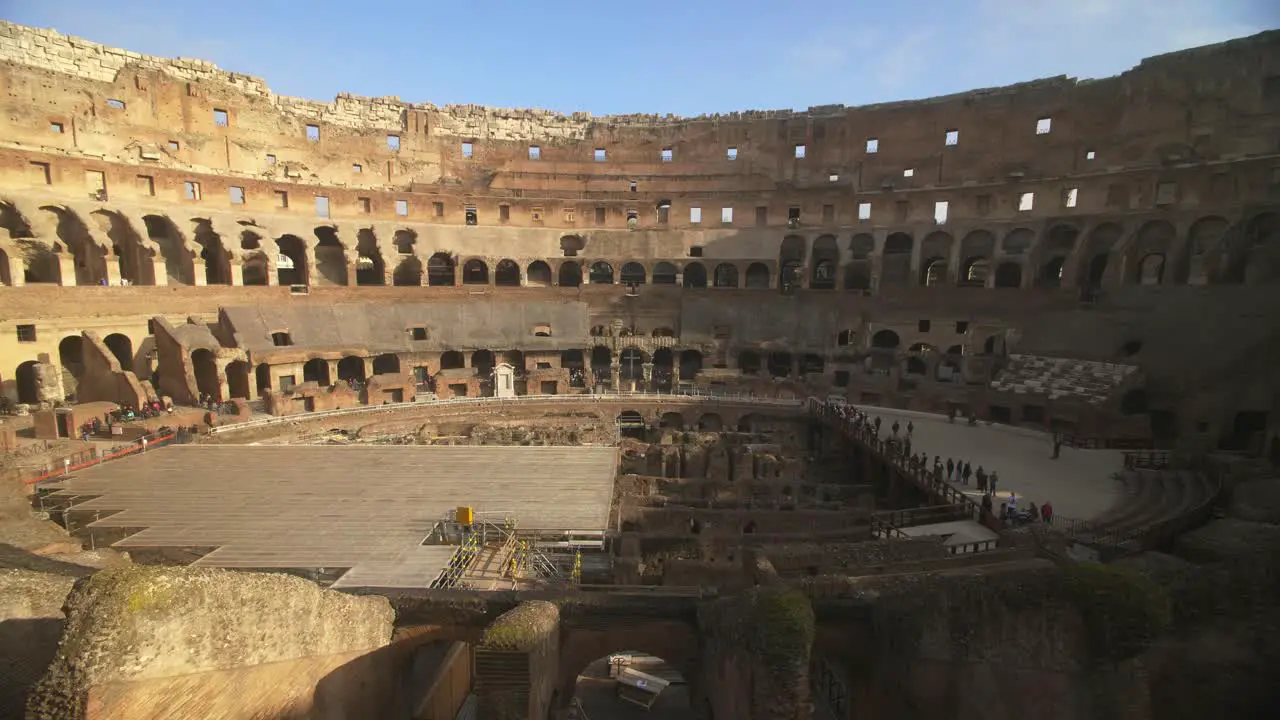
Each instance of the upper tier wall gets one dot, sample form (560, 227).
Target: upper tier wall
(1216, 102)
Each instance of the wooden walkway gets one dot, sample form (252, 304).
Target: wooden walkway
(367, 508)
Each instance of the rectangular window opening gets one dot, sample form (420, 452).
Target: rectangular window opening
(40, 171)
(282, 199)
(393, 142)
(437, 209)
(313, 133)
(828, 214)
(96, 182)
(467, 149)
(864, 211)
(402, 208)
(147, 185)
(762, 215)
(1026, 201)
(322, 206)
(570, 216)
(535, 152)
(695, 215)
(1044, 125)
(732, 153)
(236, 194)
(726, 216)
(271, 159)
(191, 190)
(800, 152)
(535, 214)
(472, 216)
(1070, 197)
(174, 145)
(1090, 155)
(55, 128)
(220, 118)
(599, 154)
(923, 325)
(873, 146)
(1166, 193)
(27, 333)
(940, 212)
(366, 205)
(953, 138)
(504, 213)
(632, 185)
(357, 168)
(668, 154)
(600, 216)
(909, 172)
(115, 104)
(833, 178)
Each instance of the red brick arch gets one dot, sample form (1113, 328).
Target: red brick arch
(675, 641)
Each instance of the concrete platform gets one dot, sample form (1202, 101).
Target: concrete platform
(367, 508)
(1078, 483)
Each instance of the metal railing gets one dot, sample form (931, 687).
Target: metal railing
(90, 458)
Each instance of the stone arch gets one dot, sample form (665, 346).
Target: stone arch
(976, 250)
(475, 272)
(632, 273)
(664, 273)
(886, 340)
(1256, 259)
(122, 348)
(601, 363)
(316, 370)
(826, 259)
(791, 257)
(812, 364)
(506, 274)
(386, 364)
(757, 277)
(1204, 243)
(749, 362)
(1149, 252)
(331, 256)
(695, 275)
(1017, 242)
(674, 641)
(408, 273)
(71, 360)
(1097, 251)
(440, 270)
(601, 273)
(570, 274)
(631, 363)
(262, 378)
(216, 256)
(483, 362)
(131, 255)
(896, 259)
(1053, 254)
(1008, 275)
(861, 246)
(90, 258)
(571, 245)
(779, 364)
(238, 379)
(663, 366)
(710, 422)
(935, 249)
(351, 369)
(5, 279)
(538, 274)
(28, 387)
(405, 240)
(671, 421)
(452, 360)
(690, 364)
(205, 367)
(371, 268)
(291, 266)
(725, 276)
(255, 269)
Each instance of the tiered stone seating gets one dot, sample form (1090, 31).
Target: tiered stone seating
(1152, 498)
(1086, 380)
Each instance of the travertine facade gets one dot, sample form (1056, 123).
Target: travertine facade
(880, 225)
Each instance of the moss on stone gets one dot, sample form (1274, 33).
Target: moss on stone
(782, 623)
(1123, 610)
(522, 627)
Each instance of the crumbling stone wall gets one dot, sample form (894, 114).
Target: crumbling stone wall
(517, 663)
(143, 638)
(30, 625)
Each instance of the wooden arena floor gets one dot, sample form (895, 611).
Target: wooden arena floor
(367, 508)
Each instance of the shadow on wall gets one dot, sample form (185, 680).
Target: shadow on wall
(27, 646)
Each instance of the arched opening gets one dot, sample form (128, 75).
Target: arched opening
(572, 360)
(514, 358)
(1008, 275)
(633, 273)
(1204, 241)
(507, 274)
(757, 276)
(122, 348)
(664, 273)
(404, 240)
(974, 272)
(933, 272)
(178, 266)
(1095, 272)
(826, 257)
(885, 340)
(331, 256)
(621, 684)
(710, 422)
(1097, 248)
(726, 276)
(255, 269)
(916, 366)
(316, 370)
(28, 388)
(1150, 270)
(90, 258)
(371, 269)
(1051, 272)
(351, 369)
(671, 421)
(780, 364)
(948, 370)
(440, 268)
(690, 364)
(601, 363)
(695, 276)
(262, 378)
(662, 332)
(386, 364)
(570, 275)
(452, 360)
(538, 274)
(238, 379)
(482, 362)
(631, 424)
(71, 358)
(845, 337)
(811, 364)
(631, 364)
(475, 272)
(895, 261)
(205, 367)
(291, 266)
(216, 257)
(789, 277)
(571, 245)
(857, 275)
(408, 273)
(749, 362)
(663, 369)
(601, 273)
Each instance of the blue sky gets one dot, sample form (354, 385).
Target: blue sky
(659, 56)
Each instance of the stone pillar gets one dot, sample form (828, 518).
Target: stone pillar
(113, 272)
(352, 266)
(518, 663)
(160, 277)
(615, 374)
(237, 274)
(17, 271)
(66, 269)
